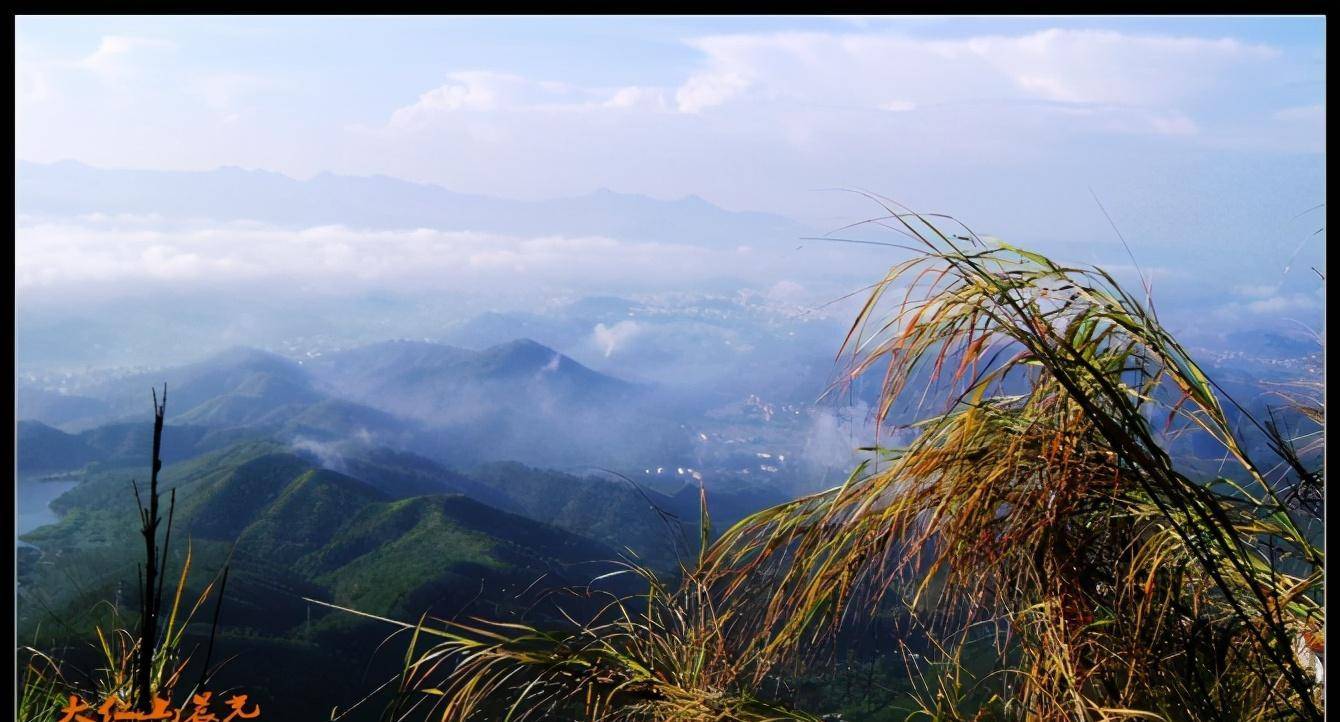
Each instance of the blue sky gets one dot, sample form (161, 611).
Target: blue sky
(1204, 137)
(195, 92)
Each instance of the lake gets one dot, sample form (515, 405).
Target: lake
(34, 502)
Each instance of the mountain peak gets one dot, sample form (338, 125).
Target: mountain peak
(523, 352)
(244, 356)
(522, 344)
(237, 170)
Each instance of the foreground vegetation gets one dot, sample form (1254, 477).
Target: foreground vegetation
(1036, 552)
(1037, 515)
(140, 667)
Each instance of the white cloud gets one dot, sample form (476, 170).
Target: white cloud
(1106, 67)
(115, 53)
(1283, 303)
(1080, 67)
(470, 91)
(610, 338)
(481, 92)
(1266, 305)
(633, 97)
(105, 252)
(1250, 290)
(793, 108)
(709, 89)
(764, 115)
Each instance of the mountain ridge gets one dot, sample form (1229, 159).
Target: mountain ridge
(229, 193)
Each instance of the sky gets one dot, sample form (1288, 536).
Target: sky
(665, 106)
(1200, 139)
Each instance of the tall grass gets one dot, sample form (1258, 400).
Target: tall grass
(1127, 587)
(1038, 503)
(661, 654)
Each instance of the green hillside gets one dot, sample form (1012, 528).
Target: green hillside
(293, 520)
(42, 448)
(290, 529)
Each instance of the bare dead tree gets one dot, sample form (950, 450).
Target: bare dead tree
(151, 593)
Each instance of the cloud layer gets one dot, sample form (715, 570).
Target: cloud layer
(99, 253)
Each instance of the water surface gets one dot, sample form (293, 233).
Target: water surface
(34, 502)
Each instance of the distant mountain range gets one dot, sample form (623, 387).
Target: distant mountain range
(69, 188)
(514, 401)
(406, 418)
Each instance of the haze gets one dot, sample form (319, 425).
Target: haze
(357, 179)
